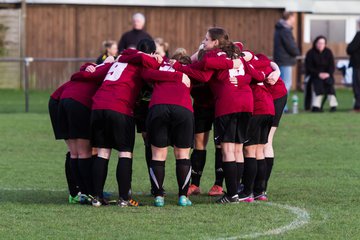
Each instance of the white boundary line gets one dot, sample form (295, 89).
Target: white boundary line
(302, 218)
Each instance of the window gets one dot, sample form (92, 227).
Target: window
(336, 28)
(333, 30)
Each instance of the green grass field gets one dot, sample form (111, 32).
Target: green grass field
(317, 171)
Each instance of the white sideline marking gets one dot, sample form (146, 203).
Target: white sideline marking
(302, 218)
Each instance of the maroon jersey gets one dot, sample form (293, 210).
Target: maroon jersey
(83, 85)
(123, 83)
(263, 101)
(277, 90)
(168, 87)
(228, 97)
(57, 93)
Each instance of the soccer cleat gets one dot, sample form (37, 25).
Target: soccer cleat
(159, 201)
(193, 190)
(97, 201)
(215, 190)
(184, 201)
(74, 200)
(226, 199)
(84, 199)
(246, 197)
(261, 196)
(128, 203)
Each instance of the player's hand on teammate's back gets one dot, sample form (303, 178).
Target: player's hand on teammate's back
(186, 80)
(237, 63)
(157, 57)
(90, 68)
(234, 81)
(172, 62)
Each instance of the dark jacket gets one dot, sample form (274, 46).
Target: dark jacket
(131, 39)
(353, 49)
(317, 62)
(285, 48)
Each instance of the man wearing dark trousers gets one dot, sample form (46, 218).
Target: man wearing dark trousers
(353, 49)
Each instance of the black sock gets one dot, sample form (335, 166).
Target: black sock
(157, 174)
(240, 171)
(219, 173)
(98, 169)
(259, 185)
(198, 159)
(123, 177)
(74, 167)
(148, 157)
(250, 169)
(269, 166)
(85, 170)
(230, 174)
(183, 174)
(105, 173)
(73, 189)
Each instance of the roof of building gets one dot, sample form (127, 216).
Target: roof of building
(314, 6)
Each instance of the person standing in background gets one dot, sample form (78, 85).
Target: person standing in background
(285, 48)
(353, 49)
(131, 38)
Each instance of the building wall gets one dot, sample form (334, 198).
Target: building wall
(78, 31)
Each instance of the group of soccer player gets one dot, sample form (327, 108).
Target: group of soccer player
(172, 102)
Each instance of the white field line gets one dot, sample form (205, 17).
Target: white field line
(302, 218)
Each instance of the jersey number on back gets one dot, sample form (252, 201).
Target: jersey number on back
(237, 72)
(115, 71)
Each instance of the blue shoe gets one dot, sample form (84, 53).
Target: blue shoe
(159, 201)
(184, 201)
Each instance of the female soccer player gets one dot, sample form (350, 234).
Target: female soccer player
(258, 131)
(72, 122)
(112, 119)
(231, 114)
(170, 122)
(278, 91)
(204, 107)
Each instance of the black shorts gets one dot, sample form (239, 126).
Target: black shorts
(111, 129)
(169, 124)
(204, 118)
(140, 114)
(54, 117)
(279, 105)
(258, 129)
(74, 119)
(231, 128)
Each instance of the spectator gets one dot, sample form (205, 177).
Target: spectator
(132, 38)
(162, 47)
(285, 48)
(353, 49)
(320, 67)
(110, 49)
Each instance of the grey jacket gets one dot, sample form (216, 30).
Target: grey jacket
(285, 48)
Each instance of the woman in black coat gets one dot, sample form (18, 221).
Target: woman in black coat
(320, 67)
